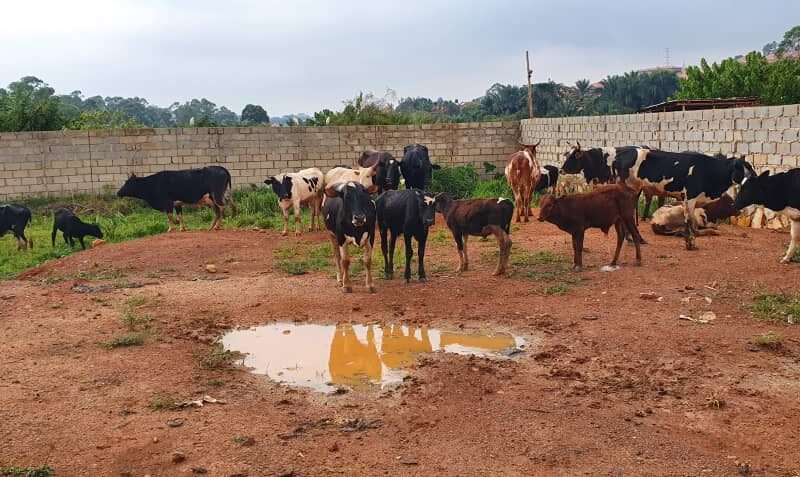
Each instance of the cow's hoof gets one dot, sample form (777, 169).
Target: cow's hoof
(786, 260)
(297, 234)
(497, 273)
(423, 279)
(347, 289)
(638, 263)
(284, 233)
(576, 268)
(371, 289)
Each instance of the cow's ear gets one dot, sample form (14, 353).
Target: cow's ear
(405, 149)
(436, 166)
(764, 174)
(578, 145)
(335, 190)
(132, 176)
(269, 180)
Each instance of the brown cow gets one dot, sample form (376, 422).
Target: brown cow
(603, 207)
(480, 217)
(670, 220)
(523, 174)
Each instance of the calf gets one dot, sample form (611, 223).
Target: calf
(170, 190)
(295, 189)
(695, 175)
(523, 174)
(350, 218)
(479, 217)
(14, 218)
(416, 167)
(548, 178)
(72, 227)
(670, 220)
(363, 175)
(387, 173)
(408, 212)
(719, 209)
(781, 193)
(601, 208)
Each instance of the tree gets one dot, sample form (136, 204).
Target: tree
(254, 114)
(769, 48)
(790, 42)
(103, 120)
(29, 105)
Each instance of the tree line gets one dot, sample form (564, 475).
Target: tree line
(30, 104)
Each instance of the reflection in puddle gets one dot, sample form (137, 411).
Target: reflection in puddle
(323, 357)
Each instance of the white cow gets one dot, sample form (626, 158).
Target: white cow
(295, 189)
(362, 175)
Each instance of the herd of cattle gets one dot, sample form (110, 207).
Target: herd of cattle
(343, 197)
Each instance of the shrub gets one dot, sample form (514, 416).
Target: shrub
(458, 182)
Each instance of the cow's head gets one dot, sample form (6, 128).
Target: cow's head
(753, 192)
(741, 170)
(427, 208)
(442, 202)
(387, 173)
(131, 187)
(573, 160)
(548, 208)
(94, 230)
(281, 185)
(356, 201)
(416, 165)
(531, 148)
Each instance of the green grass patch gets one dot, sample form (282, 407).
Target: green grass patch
(776, 307)
(131, 317)
(458, 182)
(550, 271)
(773, 341)
(133, 339)
(43, 470)
(163, 402)
(217, 359)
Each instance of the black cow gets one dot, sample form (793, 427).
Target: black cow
(72, 227)
(692, 174)
(548, 178)
(170, 190)
(480, 217)
(416, 167)
(350, 218)
(410, 213)
(387, 174)
(14, 218)
(781, 193)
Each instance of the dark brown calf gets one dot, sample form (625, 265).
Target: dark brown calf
(601, 208)
(719, 209)
(480, 217)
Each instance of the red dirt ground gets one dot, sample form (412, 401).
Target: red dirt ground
(630, 393)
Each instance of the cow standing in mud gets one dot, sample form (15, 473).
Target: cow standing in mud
(168, 191)
(523, 175)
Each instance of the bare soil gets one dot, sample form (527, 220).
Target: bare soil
(631, 391)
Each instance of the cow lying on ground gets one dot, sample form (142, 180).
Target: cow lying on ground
(523, 174)
(408, 212)
(604, 207)
(350, 218)
(295, 189)
(72, 227)
(387, 173)
(669, 220)
(416, 167)
(14, 219)
(548, 178)
(779, 192)
(480, 217)
(649, 191)
(695, 175)
(361, 175)
(170, 190)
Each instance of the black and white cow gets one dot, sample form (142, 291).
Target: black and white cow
(14, 219)
(170, 190)
(350, 218)
(548, 178)
(387, 174)
(595, 164)
(408, 212)
(295, 189)
(779, 192)
(694, 175)
(416, 167)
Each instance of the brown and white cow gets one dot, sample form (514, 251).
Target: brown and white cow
(604, 207)
(294, 189)
(523, 174)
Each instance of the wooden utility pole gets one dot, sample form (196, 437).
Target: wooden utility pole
(530, 89)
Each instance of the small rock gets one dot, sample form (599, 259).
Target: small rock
(590, 317)
(648, 296)
(211, 268)
(175, 422)
(408, 461)
(199, 470)
(286, 473)
(98, 242)
(178, 457)
(155, 440)
(333, 447)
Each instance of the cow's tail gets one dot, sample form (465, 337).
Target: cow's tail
(229, 196)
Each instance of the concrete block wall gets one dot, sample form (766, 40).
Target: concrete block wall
(57, 163)
(768, 135)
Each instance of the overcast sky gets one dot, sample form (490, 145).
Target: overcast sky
(295, 56)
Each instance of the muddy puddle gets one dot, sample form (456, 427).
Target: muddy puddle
(363, 357)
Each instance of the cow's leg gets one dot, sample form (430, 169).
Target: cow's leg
(53, 235)
(637, 239)
(504, 246)
(648, 201)
(793, 242)
(367, 260)
(66, 238)
(460, 247)
(464, 238)
(388, 271)
(337, 259)
(83, 245)
(689, 225)
(517, 204)
(285, 219)
(620, 228)
(421, 241)
(71, 241)
(409, 254)
(314, 206)
(296, 210)
(344, 250)
(169, 221)
(577, 246)
(22, 243)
